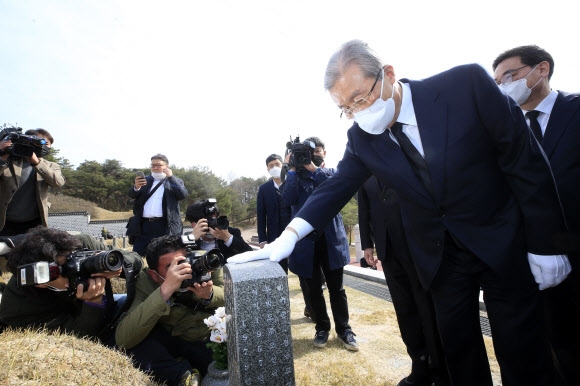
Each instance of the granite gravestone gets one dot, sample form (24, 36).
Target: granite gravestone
(259, 333)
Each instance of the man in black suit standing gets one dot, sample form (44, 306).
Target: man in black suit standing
(554, 118)
(478, 204)
(272, 212)
(381, 227)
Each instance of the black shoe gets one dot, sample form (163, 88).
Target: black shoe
(307, 313)
(348, 341)
(419, 374)
(320, 339)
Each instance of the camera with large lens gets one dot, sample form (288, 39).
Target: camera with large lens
(209, 210)
(302, 152)
(80, 265)
(203, 263)
(78, 268)
(23, 145)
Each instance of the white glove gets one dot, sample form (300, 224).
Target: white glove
(549, 271)
(279, 249)
(4, 248)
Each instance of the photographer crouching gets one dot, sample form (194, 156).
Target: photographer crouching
(210, 230)
(57, 286)
(25, 179)
(164, 329)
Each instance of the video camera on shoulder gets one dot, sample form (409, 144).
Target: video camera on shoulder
(78, 268)
(203, 263)
(302, 152)
(23, 145)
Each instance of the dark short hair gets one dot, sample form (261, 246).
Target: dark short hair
(529, 55)
(273, 157)
(161, 157)
(317, 141)
(42, 244)
(41, 132)
(196, 211)
(160, 246)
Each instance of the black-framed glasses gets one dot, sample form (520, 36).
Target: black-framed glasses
(507, 77)
(350, 110)
(157, 165)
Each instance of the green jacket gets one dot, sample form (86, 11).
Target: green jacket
(181, 316)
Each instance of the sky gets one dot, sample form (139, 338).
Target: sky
(224, 83)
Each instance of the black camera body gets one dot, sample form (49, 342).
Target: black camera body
(203, 263)
(22, 145)
(81, 264)
(78, 268)
(209, 210)
(302, 152)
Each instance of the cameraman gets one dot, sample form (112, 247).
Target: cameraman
(24, 186)
(326, 249)
(51, 305)
(228, 240)
(164, 329)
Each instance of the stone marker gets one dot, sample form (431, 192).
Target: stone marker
(357, 243)
(259, 333)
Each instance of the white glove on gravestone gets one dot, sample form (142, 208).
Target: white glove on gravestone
(279, 249)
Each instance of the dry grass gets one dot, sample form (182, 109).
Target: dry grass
(40, 358)
(43, 358)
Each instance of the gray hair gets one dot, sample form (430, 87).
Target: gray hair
(352, 52)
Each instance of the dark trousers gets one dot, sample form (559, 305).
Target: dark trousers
(168, 357)
(415, 313)
(514, 312)
(13, 228)
(336, 292)
(562, 315)
(149, 231)
(306, 289)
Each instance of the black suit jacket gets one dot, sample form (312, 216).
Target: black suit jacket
(561, 143)
(492, 188)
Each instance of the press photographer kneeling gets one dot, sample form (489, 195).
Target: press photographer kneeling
(164, 329)
(57, 286)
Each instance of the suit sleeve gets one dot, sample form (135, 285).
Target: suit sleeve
(523, 163)
(261, 214)
(51, 173)
(177, 186)
(364, 220)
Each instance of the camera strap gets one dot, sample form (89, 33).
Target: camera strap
(11, 167)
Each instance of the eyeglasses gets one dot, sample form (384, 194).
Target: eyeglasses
(157, 165)
(350, 110)
(507, 77)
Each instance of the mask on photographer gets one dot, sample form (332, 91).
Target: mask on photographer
(158, 176)
(275, 172)
(317, 160)
(375, 118)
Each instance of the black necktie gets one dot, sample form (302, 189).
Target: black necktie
(413, 156)
(534, 124)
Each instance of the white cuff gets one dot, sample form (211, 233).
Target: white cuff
(301, 227)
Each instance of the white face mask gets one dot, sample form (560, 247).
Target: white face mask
(519, 90)
(158, 176)
(275, 172)
(375, 118)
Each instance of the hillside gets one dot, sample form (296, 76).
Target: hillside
(61, 203)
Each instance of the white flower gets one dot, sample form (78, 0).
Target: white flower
(217, 325)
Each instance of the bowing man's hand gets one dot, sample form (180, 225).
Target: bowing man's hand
(549, 271)
(278, 250)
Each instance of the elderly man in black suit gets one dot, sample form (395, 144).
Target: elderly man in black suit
(478, 204)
